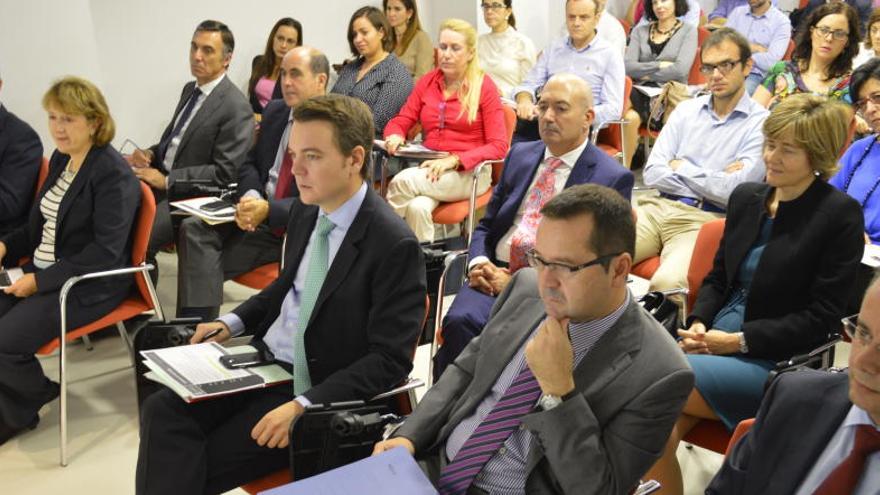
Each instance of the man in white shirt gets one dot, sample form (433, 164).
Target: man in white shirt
(817, 432)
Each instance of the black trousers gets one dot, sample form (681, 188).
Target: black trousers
(205, 447)
(26, 325)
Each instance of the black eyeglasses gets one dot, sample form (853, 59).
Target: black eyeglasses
(836, 34)
(862, 105)
(492, 6)
(856, 331)
(723, 67)
(563, 270)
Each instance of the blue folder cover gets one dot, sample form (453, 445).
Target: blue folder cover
(393, 471)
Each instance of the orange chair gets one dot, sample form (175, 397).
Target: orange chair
(609, 138)
(144, 299)
(627, 27)
(260, 277)
(789, 50)
(741, 429)
(41, 177)
(702, 34)
(464, 211)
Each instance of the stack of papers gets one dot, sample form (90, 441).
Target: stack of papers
(871, 257)
(193, 207)
(413, 150)
(194, 371)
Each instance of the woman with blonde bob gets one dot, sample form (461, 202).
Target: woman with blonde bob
(460, 112)
(782, 275)
(81, 222)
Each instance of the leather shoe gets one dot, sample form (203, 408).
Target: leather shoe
(7, 432)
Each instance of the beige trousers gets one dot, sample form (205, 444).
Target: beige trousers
(413, 196)
(669, 229)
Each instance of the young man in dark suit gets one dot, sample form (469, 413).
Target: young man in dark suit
(345, 315)
(20, 155)
(210, 254)
(816, 432)
(533, 173)
(209, 135)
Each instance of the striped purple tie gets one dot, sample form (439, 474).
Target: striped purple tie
(518, 400)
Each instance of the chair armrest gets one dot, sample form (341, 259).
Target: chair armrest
(595, 134)
(818, 358)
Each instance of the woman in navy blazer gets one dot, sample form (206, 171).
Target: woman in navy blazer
(81, 222)
(782, 275)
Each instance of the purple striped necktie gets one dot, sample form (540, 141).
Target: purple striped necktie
(491, 433)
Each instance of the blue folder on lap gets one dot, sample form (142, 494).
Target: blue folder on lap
(394, 471)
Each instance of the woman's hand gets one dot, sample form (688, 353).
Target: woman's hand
(440, 166)
(2, 252)
(693, 339)
(721, 343)
(393, 142)
(23, 287)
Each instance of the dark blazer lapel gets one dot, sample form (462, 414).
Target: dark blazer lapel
(583, 169)
(210, 105)
(4, 116)
(747, 228)
(82, 176)
(299, 229)
(348, 251)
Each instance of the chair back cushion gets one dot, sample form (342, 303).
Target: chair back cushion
(704, 254)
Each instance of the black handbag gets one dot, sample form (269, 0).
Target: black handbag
(663, 310)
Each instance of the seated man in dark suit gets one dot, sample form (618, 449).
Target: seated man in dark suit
(21, 153)
(817, 432)
(208, 136)
(572, 387)
(533, 173)
(208, 254)
(345, 314)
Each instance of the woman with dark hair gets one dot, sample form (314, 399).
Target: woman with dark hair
(658, 52)
(376, 76)
(506, 55)
(859, 174)
(81, 222)
(263, 84)
(413, 45)
(822, 59)
(782, 276)
(871, 44)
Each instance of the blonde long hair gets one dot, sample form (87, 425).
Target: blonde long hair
(469, 92)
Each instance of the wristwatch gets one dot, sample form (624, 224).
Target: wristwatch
(549, 401)
(743, 347)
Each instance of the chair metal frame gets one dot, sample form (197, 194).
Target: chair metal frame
(448, 262)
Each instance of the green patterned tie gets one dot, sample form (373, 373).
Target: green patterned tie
(316, 271)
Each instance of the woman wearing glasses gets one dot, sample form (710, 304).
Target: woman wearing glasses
(460, 113)
(506, 55)
(782, 275)
(822, 60)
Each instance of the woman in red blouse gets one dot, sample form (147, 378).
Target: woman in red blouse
(460, 112)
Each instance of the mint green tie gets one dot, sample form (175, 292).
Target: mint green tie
(316, 271)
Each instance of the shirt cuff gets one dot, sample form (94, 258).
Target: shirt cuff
(303, 401)
(476, 261)
(252, 193)
(236, 326)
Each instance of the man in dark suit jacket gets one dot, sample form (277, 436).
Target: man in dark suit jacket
(209, 135)
(573, 387)
(565, 115)
(348, 329)
(809, 422)
(20, 155)
(210, 254)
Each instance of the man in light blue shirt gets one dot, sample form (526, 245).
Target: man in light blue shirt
(816, 432)
(710, 145)
(768, 31)
(583, 54)
(343, 317)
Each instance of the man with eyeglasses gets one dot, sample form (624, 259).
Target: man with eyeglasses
(533, 173)
(710, 145)
(817, 433)
(581, 53)
(768, 31)
(572, 387)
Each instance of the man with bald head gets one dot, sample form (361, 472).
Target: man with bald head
(533, 173)
(210, 254)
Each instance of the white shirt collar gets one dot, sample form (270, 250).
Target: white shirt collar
(572, 156)
(209, 86)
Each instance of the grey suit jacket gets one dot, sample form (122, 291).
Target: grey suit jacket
(633, 384)
(216, 140)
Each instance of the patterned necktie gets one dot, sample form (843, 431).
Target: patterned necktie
(282, 186)
(163, 145)
(491, 434)
(524, 238)
(846, 475)
(316, 271)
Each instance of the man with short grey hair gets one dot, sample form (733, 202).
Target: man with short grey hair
(20, 155)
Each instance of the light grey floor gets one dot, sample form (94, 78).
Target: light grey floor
(103, 421)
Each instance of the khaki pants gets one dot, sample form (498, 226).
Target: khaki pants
(413, 196)
(669, 229)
